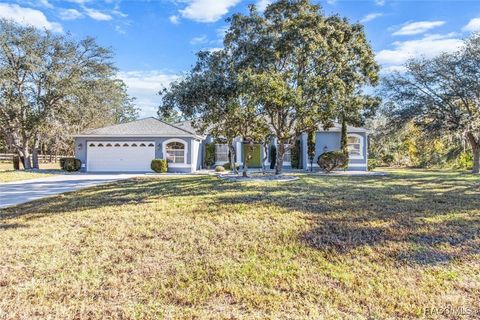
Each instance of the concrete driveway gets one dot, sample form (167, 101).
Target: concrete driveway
(18, 192)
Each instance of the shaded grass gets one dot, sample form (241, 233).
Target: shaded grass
(186, 247)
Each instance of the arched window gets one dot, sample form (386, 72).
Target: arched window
(175, 152)
(355, 146)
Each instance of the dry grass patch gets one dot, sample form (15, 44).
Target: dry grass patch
(7, 174)
(200, 247)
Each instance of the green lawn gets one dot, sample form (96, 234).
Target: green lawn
(199, 247)
(7, 174)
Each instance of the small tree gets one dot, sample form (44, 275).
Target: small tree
(311, 147)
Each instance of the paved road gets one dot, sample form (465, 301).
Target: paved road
(14, 193)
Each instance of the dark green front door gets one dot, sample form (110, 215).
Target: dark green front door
(256, 160)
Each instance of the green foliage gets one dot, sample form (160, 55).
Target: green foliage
(388, 159)
(465, 160)
(219, 169)
(344, 137)
(70, 164)
(295, 154)
(159, 165)
(209, 154)
(273, 156)
(311, 146)
(332, 160)
(57, 85)
(372, 164)
(440, 96)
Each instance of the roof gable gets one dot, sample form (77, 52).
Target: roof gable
(142, 127)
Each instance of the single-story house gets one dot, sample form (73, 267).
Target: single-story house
(130, 147)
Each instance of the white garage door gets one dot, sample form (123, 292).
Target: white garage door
(120, 155)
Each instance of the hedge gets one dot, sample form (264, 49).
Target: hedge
(70, 164)
(159, 165)
(332, 160)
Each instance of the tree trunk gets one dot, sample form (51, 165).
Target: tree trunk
(475, 143)
(280, 154)
(36, 144)
(25, 156)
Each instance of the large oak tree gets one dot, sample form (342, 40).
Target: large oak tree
(52, 86)
(440, 95)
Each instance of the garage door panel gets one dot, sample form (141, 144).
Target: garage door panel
(120, 155)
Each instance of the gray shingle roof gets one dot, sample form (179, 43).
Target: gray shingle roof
(142, 127)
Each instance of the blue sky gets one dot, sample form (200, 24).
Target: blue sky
(155, 41)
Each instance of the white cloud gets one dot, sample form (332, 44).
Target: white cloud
(199, 40)
(417, 27)
(429, 46)
(45, 3)
(70, 14)
(27, 16)
(380, 2)
(331, 1)
(370, 17)
(174, 19)
(262, 4)
(120, 30)
(97, 15)
(206, 10)
(472, 25)
(144, 86)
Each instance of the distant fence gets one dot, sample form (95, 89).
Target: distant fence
(6, 157)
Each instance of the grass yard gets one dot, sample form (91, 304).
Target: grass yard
(199, 247)
(7, 174)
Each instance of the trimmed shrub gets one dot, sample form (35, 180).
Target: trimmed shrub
(226, 166)
(209, 155)
(372, 164)
(332, 160)
(219, 169)
(70, 164)
(295, 154)
(159, 165)
(273, 156)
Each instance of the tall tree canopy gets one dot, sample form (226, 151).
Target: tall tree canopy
(440, 95)
(295, 67)
(306, 69)
(52, 86)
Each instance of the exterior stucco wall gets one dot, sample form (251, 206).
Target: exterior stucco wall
(81, 153)
(330, 141)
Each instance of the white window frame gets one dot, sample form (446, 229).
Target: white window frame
(185, 152)
(360, 142)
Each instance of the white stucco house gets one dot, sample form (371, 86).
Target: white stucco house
(130, 147)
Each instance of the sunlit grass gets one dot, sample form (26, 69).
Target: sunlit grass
(199, 247)
(7, 174)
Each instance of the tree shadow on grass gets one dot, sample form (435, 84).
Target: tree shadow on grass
(423, 219)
